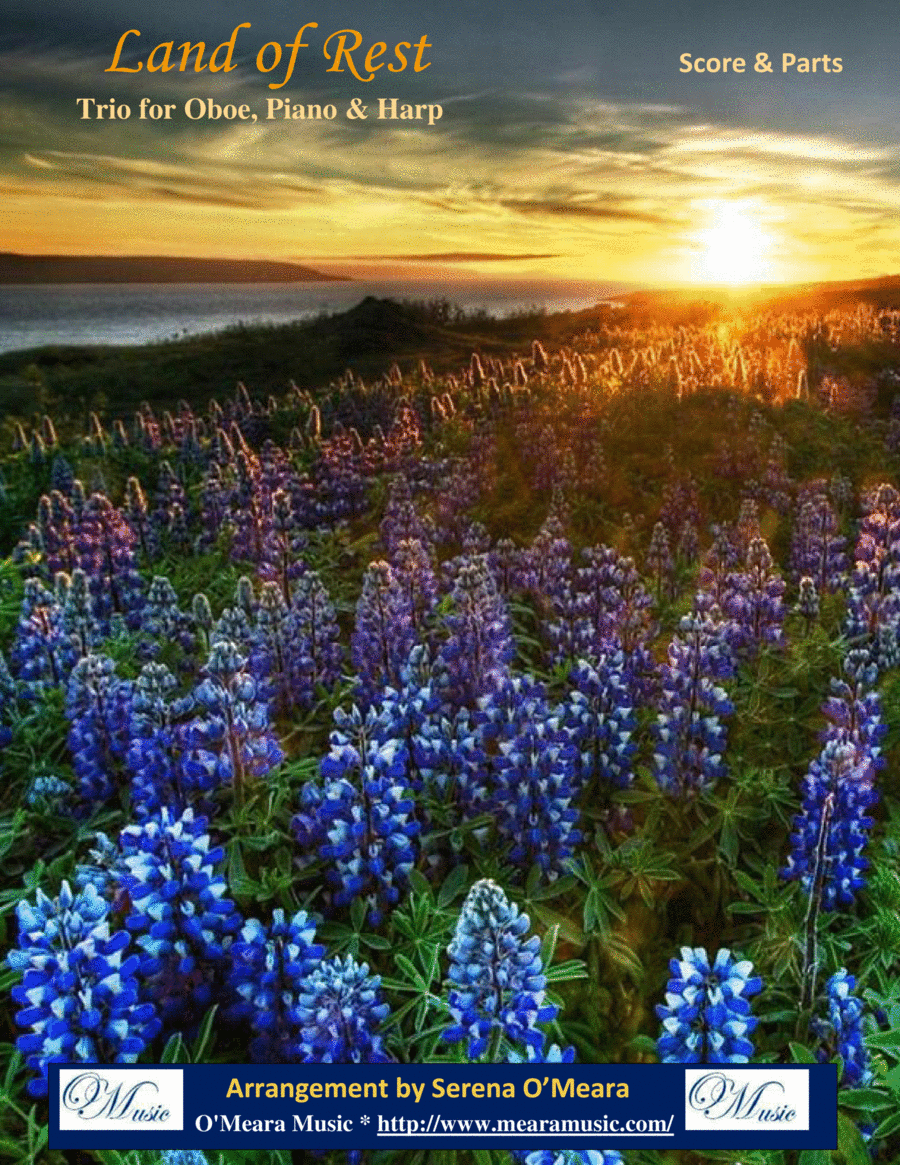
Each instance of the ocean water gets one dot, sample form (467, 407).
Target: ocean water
(136, 313)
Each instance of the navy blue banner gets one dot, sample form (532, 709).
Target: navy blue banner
(443, 1106)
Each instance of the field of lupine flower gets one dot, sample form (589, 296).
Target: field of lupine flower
(545, 709)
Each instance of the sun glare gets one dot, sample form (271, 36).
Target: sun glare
(733, 248)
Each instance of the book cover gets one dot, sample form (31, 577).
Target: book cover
(449, 517)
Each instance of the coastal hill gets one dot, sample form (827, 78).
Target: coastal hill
(151, 269)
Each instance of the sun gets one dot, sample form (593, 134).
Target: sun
(734, 248)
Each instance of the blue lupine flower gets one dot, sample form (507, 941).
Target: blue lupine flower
(496, 979)
(384, 632)
(534, 790)
(706, 1017)
(689, 737)
(183, 923)
(43, 653)
(78, 619)
(8, 702)
(568, 1157)
(230, 741)
(600, 717)
(360, 819)
(47, 792)
(873, 610)
(556, 1055)
(837, 791)
(79, 992)
(269, 968)
(839, 788)
(97, 707)
(840, 1032)
(338, 1012)
(163, 620)
(182, 1157)
(615, 613)
(417, 578)
(153, 756)
(272, 661)
(315, 638)
(479, 646)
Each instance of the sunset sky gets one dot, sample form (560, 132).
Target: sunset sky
(570, 144)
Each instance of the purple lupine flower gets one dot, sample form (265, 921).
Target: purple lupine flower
(689, 737)
(230, 740)
(706, 1017)
(479, 646)
(402, 522)
(616, 613)
(384, 631)
(282, 556)
(182, 922)
(416, 576)
(660, 561)
(269, 967)
(818, 550)
(808, 601)
(105, 547)
(338, 1012)
(754, 601)
(510, 566)
(718, 564)
(873, 603)
(56, 521)
(688, 547)
(496, 981)
(79, 992)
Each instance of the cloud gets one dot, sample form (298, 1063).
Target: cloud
(583, 210)
(453, 257)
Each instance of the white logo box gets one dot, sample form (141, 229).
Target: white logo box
(113, 1099)
(735, 1099)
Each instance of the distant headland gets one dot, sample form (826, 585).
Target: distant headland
(152, 269)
